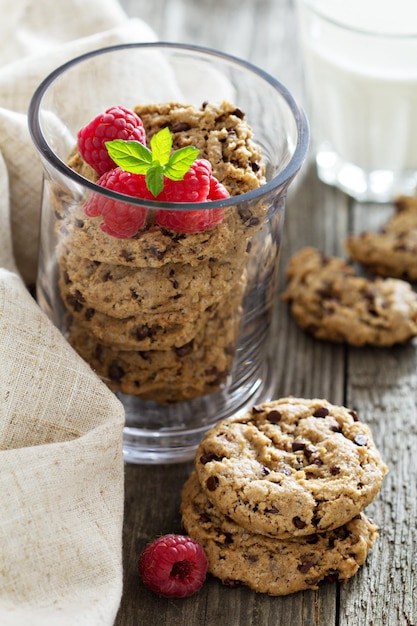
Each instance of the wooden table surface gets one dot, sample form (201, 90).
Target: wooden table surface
(381, 384)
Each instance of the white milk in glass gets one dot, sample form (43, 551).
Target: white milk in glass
(361, 58)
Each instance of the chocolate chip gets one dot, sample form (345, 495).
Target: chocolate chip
(332, 577)
(116, 372)
(274, 416)
(67, 279)
(257, 409)
(360, 440)
(335, 428)
(206, 458)
(245, 214)
(298, 445)
(305, 566)
(158, 254)
(74, 303)
(265, 471)
(142, 332)
(309, 451)
(230, 582)
(273, 510)
(89, 314)
(334, 470)
(321, 412)
(312, 539)
(185, 349)
(180, 127)
(239, 113)
(253, 558)
(106, 277)
(127, 256)
(204, 518)
(212, 483)
(354, 415)
(79, 223)
(298, 522)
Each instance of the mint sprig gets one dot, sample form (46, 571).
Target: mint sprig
(155, 163)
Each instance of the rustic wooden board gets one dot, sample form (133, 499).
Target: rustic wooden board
(380, 384)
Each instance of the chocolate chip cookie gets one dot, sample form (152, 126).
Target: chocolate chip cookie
(393, 250)
(122, 292)
(277, 567)
(168, 376)
(331, 303)
(292, 467)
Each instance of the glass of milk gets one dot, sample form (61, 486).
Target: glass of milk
(361, 71)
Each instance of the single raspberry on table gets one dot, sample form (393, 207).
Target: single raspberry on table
(115, 123)
(121, 219)
(198, 185)
(173, 566)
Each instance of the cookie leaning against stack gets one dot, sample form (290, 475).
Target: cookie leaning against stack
(330, 302)
(393, 250)
(277, 495)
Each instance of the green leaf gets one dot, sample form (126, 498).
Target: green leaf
(180, 162)
(134, 157)
(155, 179)
(131, 156)
(161, 145)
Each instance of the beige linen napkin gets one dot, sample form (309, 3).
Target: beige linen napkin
(61, 465)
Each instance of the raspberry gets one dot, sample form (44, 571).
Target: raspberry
(198, 185)
(115, 123)
(173, 566)
(194, 187)
(121, 219)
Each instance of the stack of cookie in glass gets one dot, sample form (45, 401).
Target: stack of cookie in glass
(278, 495)
(157, 314)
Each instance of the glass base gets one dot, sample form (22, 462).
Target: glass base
(364, 186)
(182, 426)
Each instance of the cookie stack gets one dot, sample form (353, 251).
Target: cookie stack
(277, 496)
(157, 315)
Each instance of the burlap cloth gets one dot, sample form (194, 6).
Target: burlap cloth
(61, 465)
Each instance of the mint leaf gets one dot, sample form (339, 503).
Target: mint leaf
(155, 179)
(131, 156)
(161, 145)
(180, 162)
(134, 157)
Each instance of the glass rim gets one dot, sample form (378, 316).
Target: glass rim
(313, 5)
(279, 180)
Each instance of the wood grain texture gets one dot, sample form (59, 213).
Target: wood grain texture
(380, 384)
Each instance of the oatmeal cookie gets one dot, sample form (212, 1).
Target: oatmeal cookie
(166, 376)
(221, 134)
(121, 291)
(291, 467)
(273, 566)
(331, 303)
(392, 251)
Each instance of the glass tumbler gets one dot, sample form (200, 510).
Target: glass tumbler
(361, 70)
(177, 325)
